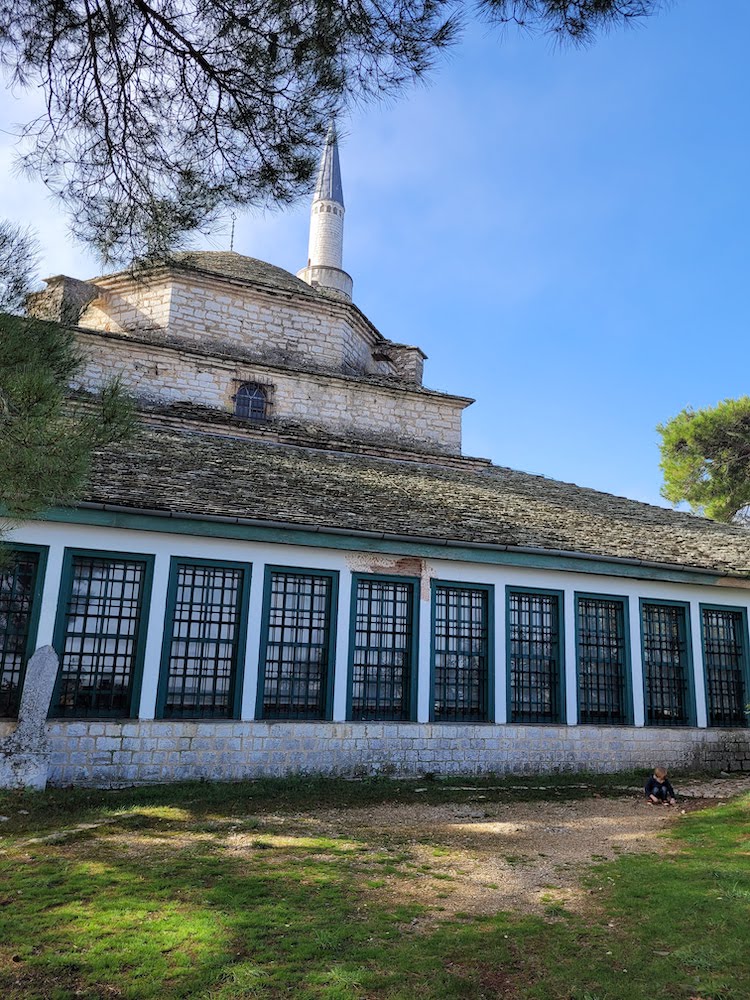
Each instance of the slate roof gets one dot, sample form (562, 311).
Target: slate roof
(200, 474)
(228, 264)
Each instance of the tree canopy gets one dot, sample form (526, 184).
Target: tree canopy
(47, 438)
(19, 251)
(705, 458)
(160, 112)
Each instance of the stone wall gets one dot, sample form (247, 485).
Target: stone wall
(340, 406)
(280, 325)
(130, 307)
(326, 234)
(135, 752)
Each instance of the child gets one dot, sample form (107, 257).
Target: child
(658, 789)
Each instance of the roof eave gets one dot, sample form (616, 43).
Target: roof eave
(737, 579)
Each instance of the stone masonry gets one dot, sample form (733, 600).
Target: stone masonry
(344, 406)
(135, 752)
(25, 750)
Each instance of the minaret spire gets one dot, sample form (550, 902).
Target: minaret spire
(326, 248)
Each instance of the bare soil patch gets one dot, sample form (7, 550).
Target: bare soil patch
(480, 857)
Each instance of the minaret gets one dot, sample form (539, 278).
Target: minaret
(326, 248)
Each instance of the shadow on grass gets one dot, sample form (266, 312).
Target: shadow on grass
(175, 894)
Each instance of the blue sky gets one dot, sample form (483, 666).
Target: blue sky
(565, 233)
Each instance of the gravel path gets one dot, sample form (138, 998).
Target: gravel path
(483, 857)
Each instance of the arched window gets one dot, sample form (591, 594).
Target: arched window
(251, 401)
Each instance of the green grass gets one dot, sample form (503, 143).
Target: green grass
(222, 892)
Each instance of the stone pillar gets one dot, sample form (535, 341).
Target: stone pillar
(25, 754)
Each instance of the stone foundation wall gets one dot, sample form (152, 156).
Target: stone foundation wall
(138, 752)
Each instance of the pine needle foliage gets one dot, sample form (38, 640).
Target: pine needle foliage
(705, 458)
(160, 113)
(46, 437)
(19, 251)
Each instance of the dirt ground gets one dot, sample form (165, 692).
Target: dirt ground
(481, 857)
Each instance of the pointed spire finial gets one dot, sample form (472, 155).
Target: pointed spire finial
(328, 184)
(326, 248)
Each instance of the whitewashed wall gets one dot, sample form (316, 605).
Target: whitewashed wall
(143, 750)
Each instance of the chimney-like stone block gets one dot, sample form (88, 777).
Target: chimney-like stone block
(63, 300)
(407, 361)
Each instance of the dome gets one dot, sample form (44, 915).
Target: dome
(228, 264)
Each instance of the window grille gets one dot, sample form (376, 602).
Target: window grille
(461, 655)
(602, 664)
(298, 646)
(101, 635)
(665, 664)
(534, 629)
(724, 650)
(204, 647)
(17, 584)
(382, 649)
(251, 401)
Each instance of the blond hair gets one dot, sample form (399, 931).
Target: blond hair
(660, 772)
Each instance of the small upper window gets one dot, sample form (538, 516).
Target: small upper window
(251, 401)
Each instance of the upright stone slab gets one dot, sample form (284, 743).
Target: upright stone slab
(25, 754)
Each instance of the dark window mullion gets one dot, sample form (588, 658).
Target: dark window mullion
(535, 661)
(666, 664)
(723, 635)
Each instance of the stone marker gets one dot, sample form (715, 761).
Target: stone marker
(24, 755)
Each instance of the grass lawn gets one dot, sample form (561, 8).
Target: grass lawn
(231, 891)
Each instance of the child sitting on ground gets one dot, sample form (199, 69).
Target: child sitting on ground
(658, 789)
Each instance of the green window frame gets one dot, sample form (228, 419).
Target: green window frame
(668, 684)
(297, 644)
(21, 583)
(100, 633)
(535, 640)
(604, 683)
(724, 635)
(383, 648)
(205, 631)
(462, 652)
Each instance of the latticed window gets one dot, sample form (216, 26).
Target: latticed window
(204, 646)
(298, 648)
(535, 661)
(383, 649)
(251, 401)
(100, 637)
(666, 664)
(602, 661)
(461, 654)
(18, 578)
(726, 663)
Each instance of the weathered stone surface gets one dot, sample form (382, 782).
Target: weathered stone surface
(154, 750)
(246, 478)
(26, 751)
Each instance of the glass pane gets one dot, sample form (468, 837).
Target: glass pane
(602, 670)
(381, 658)
(461, 659)
(534, 657)
(297, 647)
(205, 636)
(102, 622)
(723, 642)
(665, 662)
(17, 582)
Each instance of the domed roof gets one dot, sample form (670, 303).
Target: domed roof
(228, 264)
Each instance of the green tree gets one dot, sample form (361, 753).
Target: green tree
(705, 458)
(47, 437)
(159, 112)
(19, 252)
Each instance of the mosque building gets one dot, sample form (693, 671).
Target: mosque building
(292, 567)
